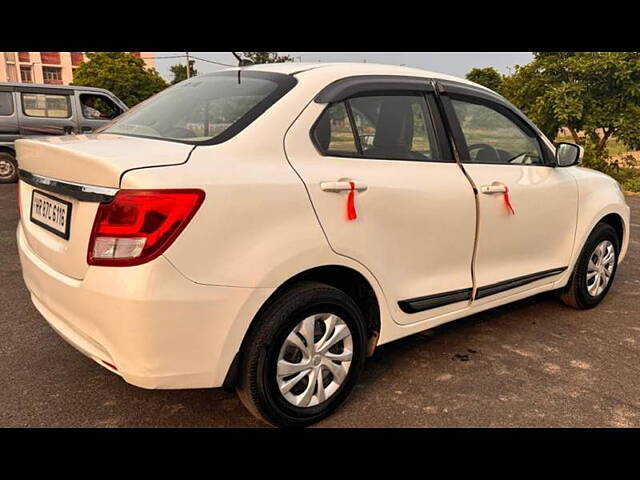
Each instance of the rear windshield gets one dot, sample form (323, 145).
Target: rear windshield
(204, 110)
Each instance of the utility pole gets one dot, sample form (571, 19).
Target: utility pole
(188, 66)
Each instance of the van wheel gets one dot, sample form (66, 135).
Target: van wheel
(8, 168)
(304, 356)
(595, 269)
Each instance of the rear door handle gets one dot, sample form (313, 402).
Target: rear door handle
(87, 129)
(342, 186)
(489, 189)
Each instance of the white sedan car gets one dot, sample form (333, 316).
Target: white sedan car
(266, 228)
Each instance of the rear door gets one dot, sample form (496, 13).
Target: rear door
(412, 215)
(46, 111)
(527, 207)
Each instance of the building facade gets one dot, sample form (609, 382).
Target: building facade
(55, 68)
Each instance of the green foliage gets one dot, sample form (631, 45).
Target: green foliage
(179, 72)
(121, 73)
(594, 95)
(266, 57)
(487, 77)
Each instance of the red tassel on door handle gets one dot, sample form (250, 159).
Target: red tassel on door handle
(507, 201)
(351, 203)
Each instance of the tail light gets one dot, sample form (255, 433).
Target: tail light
(138, 225)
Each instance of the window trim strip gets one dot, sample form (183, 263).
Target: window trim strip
(79, 191)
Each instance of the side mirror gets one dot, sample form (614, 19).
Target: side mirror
(568, 154)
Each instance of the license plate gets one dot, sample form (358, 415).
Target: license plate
(51, 213)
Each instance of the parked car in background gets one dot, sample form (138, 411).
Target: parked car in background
(31, 109)
(266, 228)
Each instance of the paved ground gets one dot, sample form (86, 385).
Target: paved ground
(534, 363)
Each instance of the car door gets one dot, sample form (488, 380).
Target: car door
(412, 221)
(46, 111)
(527, 207)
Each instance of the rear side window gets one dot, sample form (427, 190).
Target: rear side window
(333, 133)
(6, 103)
(205, 109)
(393, 127)
(46, 105)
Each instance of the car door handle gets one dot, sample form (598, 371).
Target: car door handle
(342, 186)
(86, 129)
(489, 189)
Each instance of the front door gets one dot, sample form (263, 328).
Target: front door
(388, 195)
(527, 207)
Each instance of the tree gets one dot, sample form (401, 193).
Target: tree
(179, 72)
(266, 57)
(487, 77)
(595, 95)
(121, 73)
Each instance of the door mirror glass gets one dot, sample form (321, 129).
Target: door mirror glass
(568, 154)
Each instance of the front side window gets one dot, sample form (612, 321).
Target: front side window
(98, 107)
(45, 105)
(393, 127)
(204, 109)
(6, 103)
(492, 137)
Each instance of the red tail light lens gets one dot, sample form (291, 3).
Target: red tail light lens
(138, 225)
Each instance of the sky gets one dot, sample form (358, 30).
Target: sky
(453, 63)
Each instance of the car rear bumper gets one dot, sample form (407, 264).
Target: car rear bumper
(149, 324)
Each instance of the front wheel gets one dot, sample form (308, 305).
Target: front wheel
(595, 269)
(304, 356)
(8, 168)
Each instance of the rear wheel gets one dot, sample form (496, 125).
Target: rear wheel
(595, 269)
(8, 168)
(304, 356)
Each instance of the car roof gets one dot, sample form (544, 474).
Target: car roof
(345, 69)
(16, 85)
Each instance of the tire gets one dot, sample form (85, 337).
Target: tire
(8, 168)
(259, 379)
(576, 294)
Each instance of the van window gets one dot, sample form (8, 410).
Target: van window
(204, 109)
(98, 107)
(46, 105)
(6, 103)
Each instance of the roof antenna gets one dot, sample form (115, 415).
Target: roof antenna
(242, 62)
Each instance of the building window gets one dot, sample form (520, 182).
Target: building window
(10, 57)
(25, 74)
(12, 75)
(52, 58)
(77, 58)
(52, 75)
(24, 57)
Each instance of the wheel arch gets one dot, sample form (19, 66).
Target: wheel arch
(345, 278)
(8, 149)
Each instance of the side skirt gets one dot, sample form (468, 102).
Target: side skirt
(419, 304)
